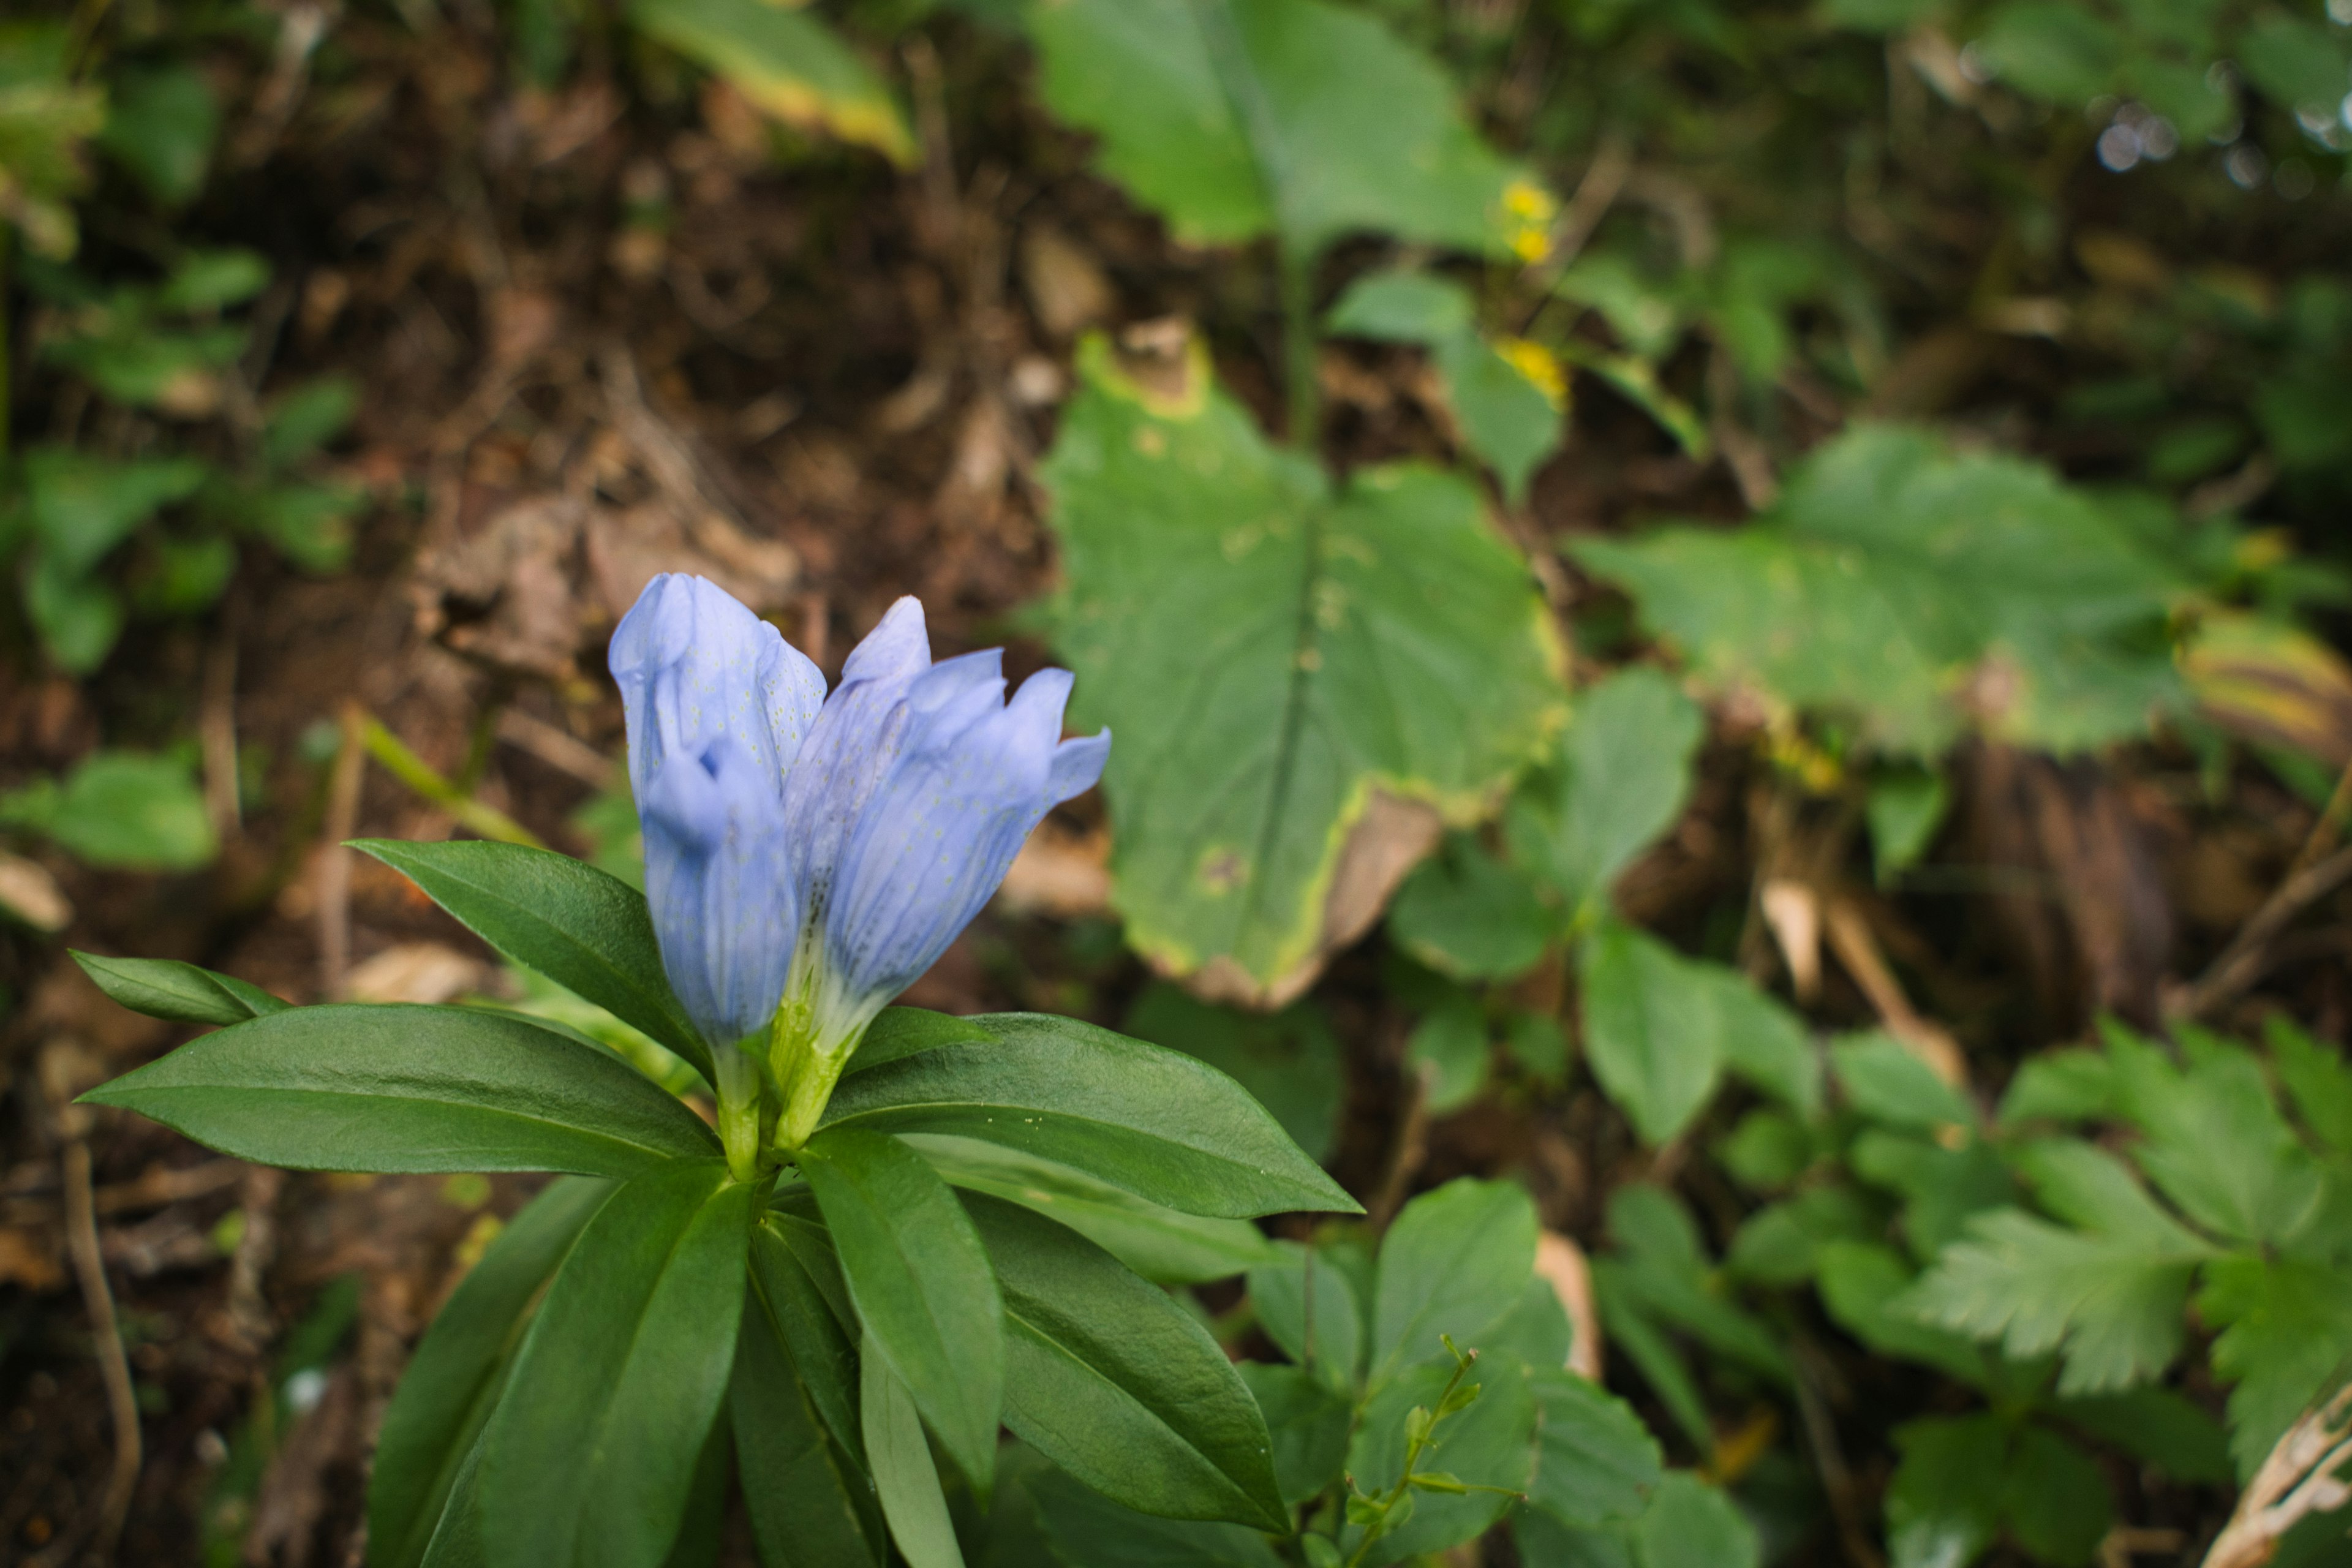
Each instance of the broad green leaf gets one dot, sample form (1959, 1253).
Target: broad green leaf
(307, 416)
(78, 618)
(1943, 1505)
(910, 1031)
(921, 1283)
(1161, 1244)
(1596, 1463)
(2163, 1428)
(798, 1286)
(1906, 807)
(2316, 1078)
(1624, 772)
(1649, 1033)
(1781, 1243)
(1488, 1444)
(1308, 1421)
(120, 810)
(1234, 116)
(1508, 396)
(1289, 1061)
(165, 988)
(582, 929)
(1449, 1050)
(1888, 1082)
(2216, 1144)
(203, 281)
(1455, 1260)
(453, 1381)
(1929, 588)
(2285, 1341)
(2054, 1499)
(810, 1505)
(1157, 1123)
(355, 1086)
(2113, 1304)
(2297, 64)
(1110, 1378)
(160, 124)
(1254, 739)
(1536, 1329)
(1690, 1524)
(2060, 54)
(906, 1478)
(789, 63)
(1309, 1310)
(591, 1456)
(1467, 914)
(1089, 1531)
(1863, 1286)
(82, 505)
(2071, 1085)
(1942, 1189)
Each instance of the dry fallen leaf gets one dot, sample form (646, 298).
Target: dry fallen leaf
(423, 972)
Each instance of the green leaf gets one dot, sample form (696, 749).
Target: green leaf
(922, 1286)
(2113, 1303)
(1904, 808)
(2060, 54)
(1089, 1531)
(597, 1470)
(787, 62)
(1661, 1270)
(1623, 774)
(1888, 1082)
(1690, 1524)
(810, 1505)
(452, 1382)
(161, 121)
(2073, 1085)
(1489, 1444)
(1449, 1050)
(1863, 1286)
(78, 618)
(1308, 1309)
(306, 417)
(2285, 1341)
(2216, 1143)
(399, 1088)
(906, 1477)
(1596, 1463)
(2318, 1078)
(1649, 1033)
(2054, 1499)
(1110, 1378)
(209, 281)
(1161, 1244)
(1943, 1507)
(1922, 580)
(2297, 64)
(1468, 915)
(1157, 1123)
(2159, 1427)
(1455, 1260)
(1942, 1189)
(1237, 116)
(799, 1289)
(585, 930)
(1290, 1060)
(1781, 1243)
(1307, 1420)
(120, 810)
(1426, 671)
(910, 1031)
(165, 988)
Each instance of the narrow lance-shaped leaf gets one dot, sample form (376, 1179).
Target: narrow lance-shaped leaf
(165, 988)
(921, 1283)
(1157, 1123)
(350, 1087)
(1110, 1379)
(597, 1470)
(810, 1505)
(905, 1476)
(583, 929)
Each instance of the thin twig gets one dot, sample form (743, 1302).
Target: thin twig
(1405, 1157)
(334, 862)
(106, 1342)
(2240, 962)
(427, 781)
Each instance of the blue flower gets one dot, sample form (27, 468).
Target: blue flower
(718, 706)
(803, 863)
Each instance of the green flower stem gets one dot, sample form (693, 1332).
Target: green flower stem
(1422, 1428)
(806, 1064)
(742, 1102)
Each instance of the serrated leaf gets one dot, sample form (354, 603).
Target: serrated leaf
(1253, 737)
(1456, 1260)
(2285, 1341)
(789, 63)
(1157, 1123)
(1921, 581)
(391, 1087)
(1863, 1286)
(1943, 1505)
(600, 1469)
(165, 988)
(452, 1382)
(1110, 1379)
(2113, 1304)
(1237, 116)
(2216, 1143)
(1690, 1524)
(922, 1286)
(1596, 1463)
(587, 931)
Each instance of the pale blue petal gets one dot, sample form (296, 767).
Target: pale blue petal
(716, 705)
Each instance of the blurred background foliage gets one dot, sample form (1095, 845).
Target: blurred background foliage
(1694, 595)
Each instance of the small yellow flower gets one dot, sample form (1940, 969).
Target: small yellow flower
(1539, 365)
(1528, 210)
